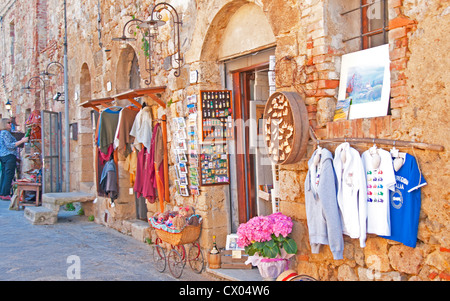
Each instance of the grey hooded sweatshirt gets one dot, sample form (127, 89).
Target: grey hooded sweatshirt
(322, 212)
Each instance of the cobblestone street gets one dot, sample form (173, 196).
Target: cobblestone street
(52, 252)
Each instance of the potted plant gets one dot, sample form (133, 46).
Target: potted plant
(265, 239)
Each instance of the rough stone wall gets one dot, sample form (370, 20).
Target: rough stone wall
(418, 108)
(309, 47)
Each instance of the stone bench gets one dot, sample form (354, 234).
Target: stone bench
(51, 202)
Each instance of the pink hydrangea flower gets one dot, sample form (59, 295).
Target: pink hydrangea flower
(261, 228)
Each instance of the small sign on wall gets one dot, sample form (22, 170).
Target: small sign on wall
(73, 130)
(193, 78)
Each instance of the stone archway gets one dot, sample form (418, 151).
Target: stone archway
(127, 71)
(248, 22)
(83, 156)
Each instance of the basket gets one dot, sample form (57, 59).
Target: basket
(187, 235)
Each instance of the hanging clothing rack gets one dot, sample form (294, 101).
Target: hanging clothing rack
(154, 93)
(398, 143)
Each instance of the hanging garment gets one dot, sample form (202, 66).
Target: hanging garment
(352, 192)
(123, 140)
(131, 166)
(380, 180)
(109, 119)
(158, 157)
(140, 172)
(108, 180)
(322, 212)
(405, 202)
(150, 184)
(141, 129)
(103, 157)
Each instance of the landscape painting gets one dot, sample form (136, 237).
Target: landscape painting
(365, 79)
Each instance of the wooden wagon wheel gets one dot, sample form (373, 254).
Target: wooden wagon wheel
(286, 127)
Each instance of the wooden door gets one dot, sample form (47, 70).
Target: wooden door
(246, 193)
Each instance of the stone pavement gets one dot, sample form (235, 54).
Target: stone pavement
(75, 248)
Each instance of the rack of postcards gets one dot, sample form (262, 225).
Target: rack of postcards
(217, 128)
(186, 148)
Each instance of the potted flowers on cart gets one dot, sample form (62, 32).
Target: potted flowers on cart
(265, 239)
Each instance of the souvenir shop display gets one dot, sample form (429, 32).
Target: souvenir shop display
(351, 191)
(214, 164)
(380, 179)
(377, 192)
(322, 212)
(216, 115)
(105, 135)
(142, 128)
(33, 149)
(108, 180)
(285, 127)
(131, 132)
(186, 151)
(149, 172)
(177, 228)
(123, 140)
(175, 221)
(406, 200)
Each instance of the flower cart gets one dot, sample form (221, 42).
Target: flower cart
(177, 257)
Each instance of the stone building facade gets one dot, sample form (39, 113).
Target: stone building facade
(222, 38)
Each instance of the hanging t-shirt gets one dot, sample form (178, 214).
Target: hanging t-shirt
(352, 191)
(379, 182)
(405, 203)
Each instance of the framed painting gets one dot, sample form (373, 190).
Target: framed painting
(365, 82)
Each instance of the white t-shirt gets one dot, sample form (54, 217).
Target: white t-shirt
(352, 192)
(379, 182)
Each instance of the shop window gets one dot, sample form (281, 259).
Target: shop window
(371, 18)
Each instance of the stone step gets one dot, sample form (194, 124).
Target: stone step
(54, 200)
(138, 229)
(41, 215)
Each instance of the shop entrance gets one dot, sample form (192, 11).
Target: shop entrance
(51, 151)
(251, 171)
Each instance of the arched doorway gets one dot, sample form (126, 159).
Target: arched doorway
(128, 73)
(243, 48)
(84, 143)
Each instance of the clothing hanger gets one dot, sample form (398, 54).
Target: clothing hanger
(343, 154)
(376, 159)
(114, 108)
(399, 158)
(317, 154)
(133, 107)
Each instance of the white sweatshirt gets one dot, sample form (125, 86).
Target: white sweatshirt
(352, 192)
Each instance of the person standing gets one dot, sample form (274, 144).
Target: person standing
(8, 145)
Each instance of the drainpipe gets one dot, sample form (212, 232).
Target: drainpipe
(66, 104)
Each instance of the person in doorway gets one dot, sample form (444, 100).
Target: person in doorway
(8, 151)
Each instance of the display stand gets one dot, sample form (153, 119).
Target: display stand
(28, 186)
(217, 127)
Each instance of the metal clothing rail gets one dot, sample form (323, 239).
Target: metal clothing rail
(398, 143)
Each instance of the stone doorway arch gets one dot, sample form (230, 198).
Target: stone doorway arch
(128, 74)
(240, 28)
(83, 155)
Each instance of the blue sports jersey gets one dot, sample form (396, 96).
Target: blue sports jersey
(405, 203)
